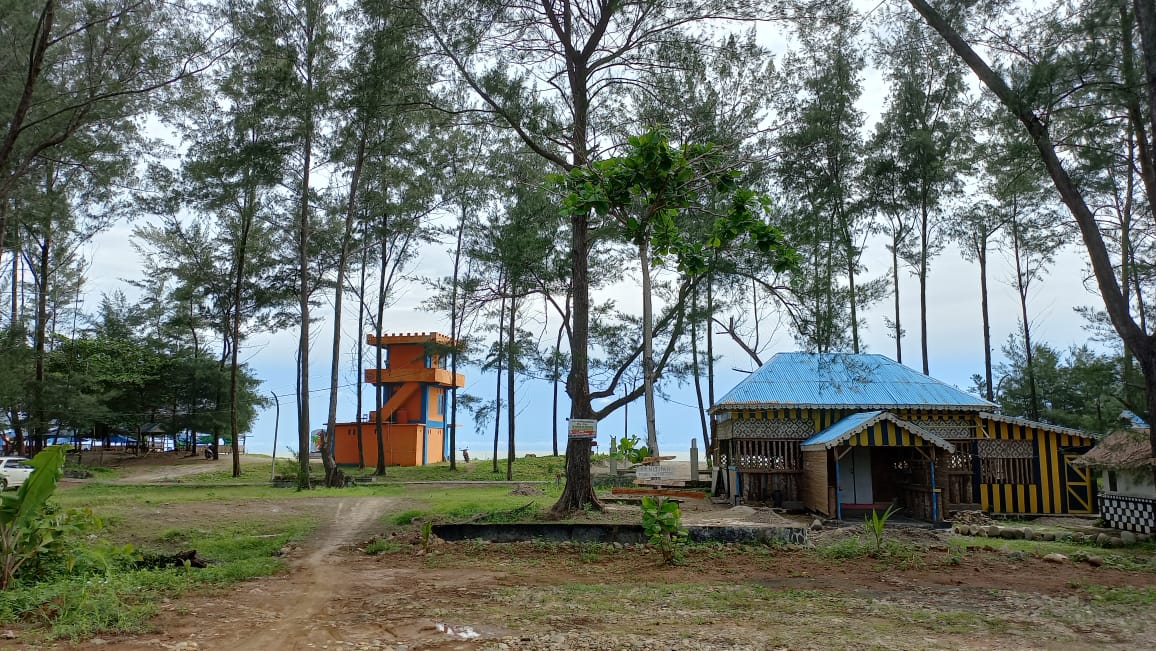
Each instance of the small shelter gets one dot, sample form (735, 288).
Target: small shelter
(834, 432)
(415, 386)
(1127, 495)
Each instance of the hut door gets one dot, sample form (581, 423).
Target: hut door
(855, 477)
(1080, 491)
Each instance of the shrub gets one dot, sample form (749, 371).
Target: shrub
(662, 522)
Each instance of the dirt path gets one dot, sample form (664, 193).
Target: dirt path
(290, 611)
(315, 581)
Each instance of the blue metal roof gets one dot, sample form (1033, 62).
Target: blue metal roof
(843, 428)
(851, 425)
(843, 380)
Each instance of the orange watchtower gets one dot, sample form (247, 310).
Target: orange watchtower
(415, 385)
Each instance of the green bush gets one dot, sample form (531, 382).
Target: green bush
(662, 522)
(407, 517)
(383, 546)
(628, 449)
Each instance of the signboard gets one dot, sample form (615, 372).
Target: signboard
(583, 428)
(653, 472)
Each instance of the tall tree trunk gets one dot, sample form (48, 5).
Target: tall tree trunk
(579, 490)
(361, 313)
(895, 283)
(983, 305)
(40, 350)
(331, 478)
(379, 468)
(648, 348)
(555, 374)
(455, 334)
(498, 389)
(235, 334)
(303, 239)
(696, 369)
(196, 392)
(1022, 294)
(852, 295)
(15, 275)
(924, 234)
(511, 364)
(40, 335)
(708, 443)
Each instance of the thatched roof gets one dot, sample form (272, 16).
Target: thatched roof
(1122, 450)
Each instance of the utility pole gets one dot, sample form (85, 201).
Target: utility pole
(276, 425)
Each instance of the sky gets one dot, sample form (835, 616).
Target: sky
(954, 333)
(954, 339)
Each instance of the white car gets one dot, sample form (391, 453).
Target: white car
(14, 471)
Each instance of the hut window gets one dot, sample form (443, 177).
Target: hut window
(1006, 462)
(1112, 481)
(767, 456)
(1005, 471)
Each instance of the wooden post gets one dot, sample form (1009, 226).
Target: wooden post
(934, 496)
(613, 461)
(694, 459)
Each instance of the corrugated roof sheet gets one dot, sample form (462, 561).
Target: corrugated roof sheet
(843, 428)
(1015, 420)
(843, 380)
(851, 425)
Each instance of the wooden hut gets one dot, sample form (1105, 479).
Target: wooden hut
(836, 432)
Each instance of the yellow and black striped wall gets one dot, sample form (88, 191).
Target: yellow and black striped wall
(1058, 486)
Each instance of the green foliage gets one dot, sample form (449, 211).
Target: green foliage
(286, 469)
(426, 535)
(1082, 389)
(1123, 595)
(383, 546)
(874, 524)
(662, 522)
(628, 449)
(844, 548)
(125, 598)
(653, 190)
(407, 517)
(26, 529)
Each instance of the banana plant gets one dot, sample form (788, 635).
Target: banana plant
(24, 531)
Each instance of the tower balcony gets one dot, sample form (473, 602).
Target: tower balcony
(436, 376)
